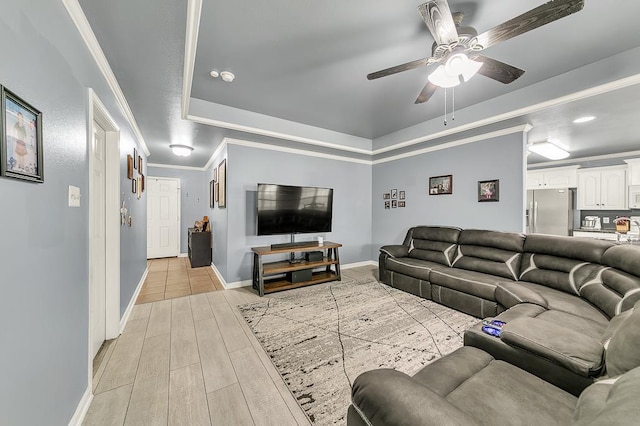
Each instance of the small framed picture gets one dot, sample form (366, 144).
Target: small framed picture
(215, 174)
(401, 204)
(394, 204)
(387, 205)
(141, 183)
(135, 158)
(139, 164)
(439, 185)
(394, 194)
(21, 153)
(211, 194)
(134, 186)
(386, 196)
(138, 188)
(215, 192)
(401, 196)
(129, 167)
(489, 190)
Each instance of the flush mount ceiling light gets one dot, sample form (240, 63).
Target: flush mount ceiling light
(227, 76)
(457, 69)
(214, 73)
(584, 119)
(181, 150)
(548, 150)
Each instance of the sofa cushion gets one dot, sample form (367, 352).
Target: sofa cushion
(491, 252)
(561, 273)
(495, 392)
(583, 249)
(623, 257)
(469, 282)
(612, 290)
(623, 350)
(610, 402)
(412, 267)
(433, 243)
(575, 351)
(564, 302)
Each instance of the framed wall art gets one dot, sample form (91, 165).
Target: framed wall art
(387, 205)
(21, 152)
(129, 167)
(401, 204)
(439, 185)
(394, 194)
(211, 194)
(489, 190)
(215, 174)
(386, 196)
(222, 189)
(135, 158)
(401, 195)
(139, 164)
(134, 186)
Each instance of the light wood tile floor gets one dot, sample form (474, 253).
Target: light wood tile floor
(190, 361)
(174, 277)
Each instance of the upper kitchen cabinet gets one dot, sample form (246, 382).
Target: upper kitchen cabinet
(602, 188)
(555, 178)
(633, 170)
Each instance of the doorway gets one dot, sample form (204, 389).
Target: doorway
(163, 217)
(103, 136)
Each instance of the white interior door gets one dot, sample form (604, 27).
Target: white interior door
(97, 242)
(163, 217)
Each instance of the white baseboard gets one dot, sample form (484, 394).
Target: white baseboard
(183, 255)
(358, 264)
(132, 302)
(83, 407)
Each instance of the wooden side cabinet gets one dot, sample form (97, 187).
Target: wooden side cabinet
(199, 248)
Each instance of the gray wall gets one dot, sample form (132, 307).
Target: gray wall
(194, 197)
(500, 158)
(44, 256)
(246, 166)
(219, 220)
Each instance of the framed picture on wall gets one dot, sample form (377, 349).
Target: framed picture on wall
(386, 196)
(134, 186)
(401, 195)
(215, 174)
(211, 194)
(215, 192)
(21, 153)
(141, 183)
(394, 194)
(387, 205)
(401, 204)
(129, 167)
(139, 164)
(489, 190)
(222, 189)
(439, 185)
(135, 158)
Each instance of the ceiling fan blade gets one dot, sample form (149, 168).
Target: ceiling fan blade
(398, 68)
(537, 17)
(437, 16)
(499, 71)
(427, 92)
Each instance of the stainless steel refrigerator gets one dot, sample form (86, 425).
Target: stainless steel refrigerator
(550, 211)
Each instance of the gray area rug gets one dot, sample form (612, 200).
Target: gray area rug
(320, 338)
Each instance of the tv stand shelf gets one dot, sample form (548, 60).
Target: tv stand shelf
(262, 271)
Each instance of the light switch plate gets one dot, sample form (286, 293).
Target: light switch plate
(605, 220)
(74, 196)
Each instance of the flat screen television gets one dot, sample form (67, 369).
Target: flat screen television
(285, 209)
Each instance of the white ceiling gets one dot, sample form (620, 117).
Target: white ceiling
(306, 62)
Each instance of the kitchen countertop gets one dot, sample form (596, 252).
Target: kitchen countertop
(602, 231)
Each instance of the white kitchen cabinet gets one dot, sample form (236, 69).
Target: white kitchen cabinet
(602, 188)
(555, 178)
(633, 171)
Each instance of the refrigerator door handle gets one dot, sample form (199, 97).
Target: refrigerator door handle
(535, 216)
(530, 217)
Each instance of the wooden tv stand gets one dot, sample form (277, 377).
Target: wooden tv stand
(330, 261)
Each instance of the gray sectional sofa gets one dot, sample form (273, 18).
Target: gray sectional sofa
(562, 299)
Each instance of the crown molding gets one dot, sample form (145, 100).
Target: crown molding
(194, 11)
(628, 154)
(84, 28)
(170, 166)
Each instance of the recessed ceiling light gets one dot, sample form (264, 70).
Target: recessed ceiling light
(227, 76)
(548, 150)
(584, 119)
(181, 150)
(214, 73)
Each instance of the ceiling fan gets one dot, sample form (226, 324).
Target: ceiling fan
(456, 48)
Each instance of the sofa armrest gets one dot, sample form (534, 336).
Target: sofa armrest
(395, 250)
(389, 397)
(575, 351)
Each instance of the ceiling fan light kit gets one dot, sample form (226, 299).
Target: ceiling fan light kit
(548, 150)
(456, 48)
(181, 150)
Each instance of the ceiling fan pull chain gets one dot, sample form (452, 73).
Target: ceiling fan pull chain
(453, 104)
(445, 106)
